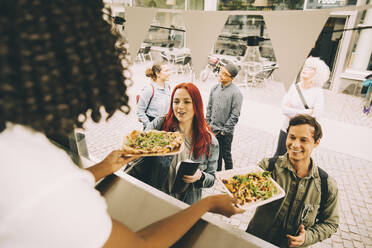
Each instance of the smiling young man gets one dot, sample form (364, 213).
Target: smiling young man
(308, 213)
(223, 111)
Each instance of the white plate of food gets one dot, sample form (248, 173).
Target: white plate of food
(251, 186)
(153, 143)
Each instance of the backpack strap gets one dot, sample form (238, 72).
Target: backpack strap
(272, 162)
(153, 93)
(324, 192)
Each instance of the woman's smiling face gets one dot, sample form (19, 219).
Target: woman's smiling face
(183, 107)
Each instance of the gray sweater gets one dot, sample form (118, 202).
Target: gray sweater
(224, 107)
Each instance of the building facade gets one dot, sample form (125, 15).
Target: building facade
(343, 43)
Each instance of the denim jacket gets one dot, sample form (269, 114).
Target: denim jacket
(208, 166)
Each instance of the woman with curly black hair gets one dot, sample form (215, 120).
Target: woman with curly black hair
(57, 61)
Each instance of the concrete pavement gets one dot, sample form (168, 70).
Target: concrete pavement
(343, 152)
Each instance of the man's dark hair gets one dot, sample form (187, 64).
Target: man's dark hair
(58, 60)
(307, 119)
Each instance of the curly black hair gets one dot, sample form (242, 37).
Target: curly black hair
(58, 60)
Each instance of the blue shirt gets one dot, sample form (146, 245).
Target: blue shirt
(159, 105)
(224, 107)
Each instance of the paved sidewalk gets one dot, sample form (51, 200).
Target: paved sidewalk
(253, 141)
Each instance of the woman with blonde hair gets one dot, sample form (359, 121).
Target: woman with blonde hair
(154, 99)
(304, 97)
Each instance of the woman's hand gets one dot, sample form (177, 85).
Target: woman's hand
(223, 204)
(191, 179)
(113, 162)
(116, 159)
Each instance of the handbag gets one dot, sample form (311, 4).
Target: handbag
(301, 96)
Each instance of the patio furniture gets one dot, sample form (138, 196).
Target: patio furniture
(256, 74)
(144, 53)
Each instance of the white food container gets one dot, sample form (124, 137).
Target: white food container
(242, 171)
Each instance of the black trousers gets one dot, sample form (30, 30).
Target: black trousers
(281, 149)
(224, 142)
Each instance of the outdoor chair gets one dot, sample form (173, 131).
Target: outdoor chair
(166, 57)
(183, 63)
(139, 57)
(146, 53)
(251, 70)
(255, 74)
(267, 72)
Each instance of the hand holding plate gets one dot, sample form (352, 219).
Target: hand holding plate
(116, 159)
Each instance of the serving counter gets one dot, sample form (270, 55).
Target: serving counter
(137, 204)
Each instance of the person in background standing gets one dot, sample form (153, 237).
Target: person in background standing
(223, 111)
(154, 100)
(313, 75)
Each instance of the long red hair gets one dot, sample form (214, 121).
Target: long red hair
(201, 132)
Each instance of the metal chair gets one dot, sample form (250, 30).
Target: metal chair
(139, 57)
(256, 74)
(267, 73)
(183, 62)
(183, 65)
(251, 70)
(146, 52)
(166, 57)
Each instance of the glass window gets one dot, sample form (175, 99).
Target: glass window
(323, 4)
(281, 4)
(167, 30)
(260, 4)
(196, 4)
(233, 39)
(164, 4)
(170, 4)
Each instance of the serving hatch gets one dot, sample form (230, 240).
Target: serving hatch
(228, 174)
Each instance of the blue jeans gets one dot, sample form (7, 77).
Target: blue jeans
(225, 151)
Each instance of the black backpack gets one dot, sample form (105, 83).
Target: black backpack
(323, 182)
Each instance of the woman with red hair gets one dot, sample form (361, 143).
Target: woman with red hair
(186, 115)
